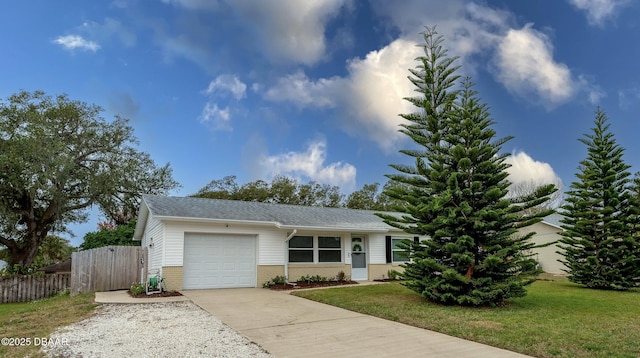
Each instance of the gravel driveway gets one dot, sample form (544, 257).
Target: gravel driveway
(171, 329)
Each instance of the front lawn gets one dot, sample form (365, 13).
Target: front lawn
(556, 318)
(38, 319)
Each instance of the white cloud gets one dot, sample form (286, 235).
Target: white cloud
(628, 97)
(73, 42)
(369, 99)
(310, 165)
(525, 66)
(107, 29)
(213, 113)
(526, 174)
(229, 83)
(525, 169)
(219, 118)
(303, 92)
(291, 31)
(523, 59)
(377, 85)
(194, 4)
(599, 11)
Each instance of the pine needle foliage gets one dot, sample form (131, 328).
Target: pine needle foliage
(455, 193)
(600, 241)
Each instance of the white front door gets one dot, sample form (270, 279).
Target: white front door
(359, 271)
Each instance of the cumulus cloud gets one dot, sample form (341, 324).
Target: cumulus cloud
(218, 118)
(526, 169)
(300, 90)
(370, 98)
(219, 90)
(76, 42)
(525, 66)
(377, 85)
(310, 165)
(599, 11)
(526, 174)
(227, 83)
(522, 59)
(290, 30)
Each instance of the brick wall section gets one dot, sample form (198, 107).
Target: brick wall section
(172, 277)
(376, 272)
(267, 272)
(324, 270)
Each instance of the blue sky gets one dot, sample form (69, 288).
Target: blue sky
(312, 89)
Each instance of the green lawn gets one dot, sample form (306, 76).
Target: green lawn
(556, 318)
(39, 319)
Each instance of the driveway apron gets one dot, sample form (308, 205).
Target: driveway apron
(289, 326)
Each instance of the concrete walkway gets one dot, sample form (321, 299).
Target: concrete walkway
(289, 326)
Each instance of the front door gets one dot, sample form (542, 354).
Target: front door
(358, 259)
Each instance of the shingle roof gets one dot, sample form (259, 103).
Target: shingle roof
(553, 219)
(278, 214)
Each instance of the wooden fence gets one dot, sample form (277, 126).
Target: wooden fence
(107, 268)
(25, 288)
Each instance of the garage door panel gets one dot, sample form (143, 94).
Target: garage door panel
(219, 261)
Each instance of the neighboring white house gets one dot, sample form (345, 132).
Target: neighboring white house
(547, 231)
(199, 243)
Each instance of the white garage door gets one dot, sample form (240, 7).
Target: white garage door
(219, 261)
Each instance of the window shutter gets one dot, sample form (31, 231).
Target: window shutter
(388, 248)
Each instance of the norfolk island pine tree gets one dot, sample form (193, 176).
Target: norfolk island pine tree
(599, 243)
(456, 194)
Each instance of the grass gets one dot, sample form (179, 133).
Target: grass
(556, 318)
(38, 319)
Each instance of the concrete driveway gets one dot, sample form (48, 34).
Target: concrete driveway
(289, 326)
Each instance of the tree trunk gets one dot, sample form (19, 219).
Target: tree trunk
(25, 254)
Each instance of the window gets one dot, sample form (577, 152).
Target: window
(301, 249)
(399, 255)
(329, 249)
(314, 249)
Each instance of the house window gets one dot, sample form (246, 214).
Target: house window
(315, 249)
(301, 249)
(329, 249)
(399, 255)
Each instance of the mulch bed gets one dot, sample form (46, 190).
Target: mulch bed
(300, 285)
(160, 294)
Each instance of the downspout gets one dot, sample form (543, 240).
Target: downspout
(286, 260)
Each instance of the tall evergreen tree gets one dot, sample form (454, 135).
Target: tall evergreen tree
(456, 194)
(601, 216)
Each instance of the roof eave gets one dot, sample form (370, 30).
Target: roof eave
(334, 229)
(219, 221)
(141, 223)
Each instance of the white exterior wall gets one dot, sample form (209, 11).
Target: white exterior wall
(270, 240)
(377, 250)
(154, 229)
(377, 245)
(546, 256)
(168, 241)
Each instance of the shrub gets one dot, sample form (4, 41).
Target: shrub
(137, 288)
(394, 275)
(341, 276)
(316, 278)
(278, 280)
